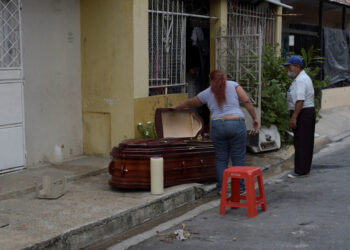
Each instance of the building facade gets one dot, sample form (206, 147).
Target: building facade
(80, 75)
(40, 89)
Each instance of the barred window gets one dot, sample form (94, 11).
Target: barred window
(10, 55)
(167, 47)
(247, 19)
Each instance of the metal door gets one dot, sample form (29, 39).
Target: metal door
(12, 149)
(239, 57)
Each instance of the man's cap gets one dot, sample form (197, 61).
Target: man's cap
(295, 60)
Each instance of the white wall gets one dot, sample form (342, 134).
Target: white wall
(52, 73)
(335, 97)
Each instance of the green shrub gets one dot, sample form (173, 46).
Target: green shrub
(312, 68)
(275, 84)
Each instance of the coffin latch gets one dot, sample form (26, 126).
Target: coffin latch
(123, 170)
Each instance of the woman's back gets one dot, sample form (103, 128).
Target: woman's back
(230, 106)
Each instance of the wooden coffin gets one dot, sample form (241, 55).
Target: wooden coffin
(186, 159)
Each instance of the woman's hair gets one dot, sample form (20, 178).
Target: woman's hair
(218, 86)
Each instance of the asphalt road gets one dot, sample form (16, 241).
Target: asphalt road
(306, 213)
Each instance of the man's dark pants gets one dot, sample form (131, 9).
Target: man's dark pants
(304, 140)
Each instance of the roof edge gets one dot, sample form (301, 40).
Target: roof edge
(277, 2)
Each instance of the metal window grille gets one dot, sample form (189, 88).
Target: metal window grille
(10, 51)
(167, 47)
(246, 19)
(240, 58)
(239, 51)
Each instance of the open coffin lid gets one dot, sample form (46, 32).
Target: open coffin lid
(181, 123)
(174, 128)
(185, 159)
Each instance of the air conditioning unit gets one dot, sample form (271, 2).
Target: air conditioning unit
(266, 140)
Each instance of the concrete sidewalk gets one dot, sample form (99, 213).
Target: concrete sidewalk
(90, 210)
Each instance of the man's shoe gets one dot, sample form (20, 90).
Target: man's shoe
(294, 175)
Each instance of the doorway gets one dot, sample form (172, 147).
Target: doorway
(197, 62)
(179, 49)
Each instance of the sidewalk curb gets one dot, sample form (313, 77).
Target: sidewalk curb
(103, 229)
(323, 141)
(341, 136)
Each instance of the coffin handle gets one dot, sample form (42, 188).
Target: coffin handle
(123, 170)
(201, 163)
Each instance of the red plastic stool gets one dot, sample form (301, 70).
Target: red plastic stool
(252, 202)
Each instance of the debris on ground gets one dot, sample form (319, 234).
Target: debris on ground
(4, 222)
(179, 234)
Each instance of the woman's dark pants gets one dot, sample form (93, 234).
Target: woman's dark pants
(229, 140)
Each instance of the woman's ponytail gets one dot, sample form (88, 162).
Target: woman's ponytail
(218, 86)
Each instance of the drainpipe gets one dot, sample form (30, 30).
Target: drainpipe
(278, 28)
(218, 8)
(320, 33)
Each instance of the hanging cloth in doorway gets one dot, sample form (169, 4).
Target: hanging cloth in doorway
(202, 43)
(337, 54)
(197, 36)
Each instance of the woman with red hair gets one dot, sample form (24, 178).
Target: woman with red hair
(228, 129)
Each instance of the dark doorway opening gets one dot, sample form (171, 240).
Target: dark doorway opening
(197, 62)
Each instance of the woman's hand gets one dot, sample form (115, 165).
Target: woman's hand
(243, 97)
(191, 103)
(256, 124)
(256, 127)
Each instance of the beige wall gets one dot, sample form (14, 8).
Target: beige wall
(114, 72)
(52, 74)
(140, 40)
(114, 44)
(107, 73)
(335, 97)
(145, 108)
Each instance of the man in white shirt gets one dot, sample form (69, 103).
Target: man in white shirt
(300, 99)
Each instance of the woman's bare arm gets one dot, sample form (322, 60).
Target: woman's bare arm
(244, 98)
(190, 103)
